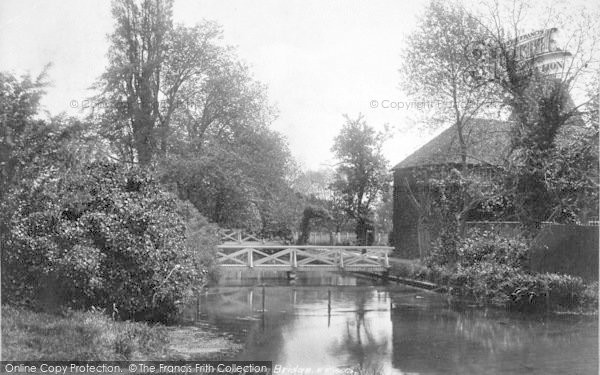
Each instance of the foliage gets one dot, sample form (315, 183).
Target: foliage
(493, 270)
(412, 269)
(571, 177)
(447, 200)
(438, 64)
(314, 184)
(485, 246)
(449, 194)
(101, 235)
(201, 240)
(242, 183)
(169, 88)
(540, 104)
(176, 98)
(312, 213)
(19, 102)
(136, 76)
(30, 145)
(361, 175)
(501, 284)
(384, 210)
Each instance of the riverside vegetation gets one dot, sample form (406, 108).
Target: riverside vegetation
(89, 252)
(492, 270)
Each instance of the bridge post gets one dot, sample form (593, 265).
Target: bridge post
(386, 275)
(341, 252)
(250, 259)
(294, 259)
(329, 308)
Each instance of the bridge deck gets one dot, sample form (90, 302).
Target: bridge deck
(304, 258)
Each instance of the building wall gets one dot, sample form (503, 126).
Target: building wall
(570, 249)
(405, 235)
(410, 240)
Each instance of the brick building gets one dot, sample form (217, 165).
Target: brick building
(487, 145)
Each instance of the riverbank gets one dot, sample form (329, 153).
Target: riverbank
(93, 335)
(512, 290)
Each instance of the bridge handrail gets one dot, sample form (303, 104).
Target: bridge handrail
(314, 247)
(304, 256)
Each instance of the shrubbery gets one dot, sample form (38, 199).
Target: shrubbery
(485, 246)
(105, 236)
(493, 270)
(201, 240)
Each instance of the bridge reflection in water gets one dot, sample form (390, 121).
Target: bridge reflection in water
(340, 321)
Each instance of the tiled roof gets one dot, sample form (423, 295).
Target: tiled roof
(487, 143)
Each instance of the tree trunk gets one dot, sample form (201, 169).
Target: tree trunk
(361, 232)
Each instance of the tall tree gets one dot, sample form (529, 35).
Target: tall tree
(150, 62)
(19, 103)
(438, 66)
(132, 82)
(540, 101)
(362, 172)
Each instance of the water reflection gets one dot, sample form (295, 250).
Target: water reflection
(331, 320)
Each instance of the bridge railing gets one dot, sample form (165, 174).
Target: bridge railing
(237, 235)
(357, 258)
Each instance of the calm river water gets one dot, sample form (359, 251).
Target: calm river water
(333, 321)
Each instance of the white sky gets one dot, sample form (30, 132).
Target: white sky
(319, 59)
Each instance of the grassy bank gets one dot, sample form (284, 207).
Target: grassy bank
(93, 335)
(77, 335)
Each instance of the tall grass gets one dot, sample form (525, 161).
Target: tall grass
(77, 335)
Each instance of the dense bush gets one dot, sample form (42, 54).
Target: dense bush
(105, 236)
(201, 240)
(499, 284)
(491, 269)
(485, 246)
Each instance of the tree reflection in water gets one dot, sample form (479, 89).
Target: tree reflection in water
(393, 330)
(362, 343)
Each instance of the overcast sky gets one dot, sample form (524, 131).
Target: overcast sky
(319, 59)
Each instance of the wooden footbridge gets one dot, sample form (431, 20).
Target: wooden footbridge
(303, 258)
